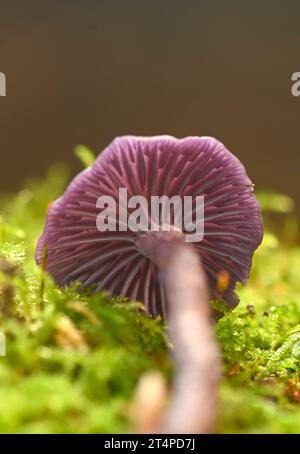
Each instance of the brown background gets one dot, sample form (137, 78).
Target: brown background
(85, 71)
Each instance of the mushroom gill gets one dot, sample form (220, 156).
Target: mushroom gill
(161, 165)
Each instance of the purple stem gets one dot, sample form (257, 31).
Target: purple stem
(194, 398)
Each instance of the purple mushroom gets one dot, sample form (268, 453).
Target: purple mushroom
(125, 262)
(171, 276)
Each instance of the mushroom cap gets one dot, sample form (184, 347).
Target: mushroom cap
(160, 165)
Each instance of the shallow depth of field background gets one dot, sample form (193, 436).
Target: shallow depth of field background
(83, 72)
(87, 71)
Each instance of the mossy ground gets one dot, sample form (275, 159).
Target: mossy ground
(73, 361)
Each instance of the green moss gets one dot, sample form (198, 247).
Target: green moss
(73, 361)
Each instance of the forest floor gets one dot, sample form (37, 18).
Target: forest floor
(73, 362)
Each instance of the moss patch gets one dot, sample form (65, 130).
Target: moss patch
(73, 361)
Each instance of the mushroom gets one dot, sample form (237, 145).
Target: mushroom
(170, 276)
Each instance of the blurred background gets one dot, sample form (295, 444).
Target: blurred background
(83, 72)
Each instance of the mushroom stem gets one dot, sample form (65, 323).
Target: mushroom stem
(193, 405)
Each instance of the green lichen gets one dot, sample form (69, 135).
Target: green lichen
(74, 360)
